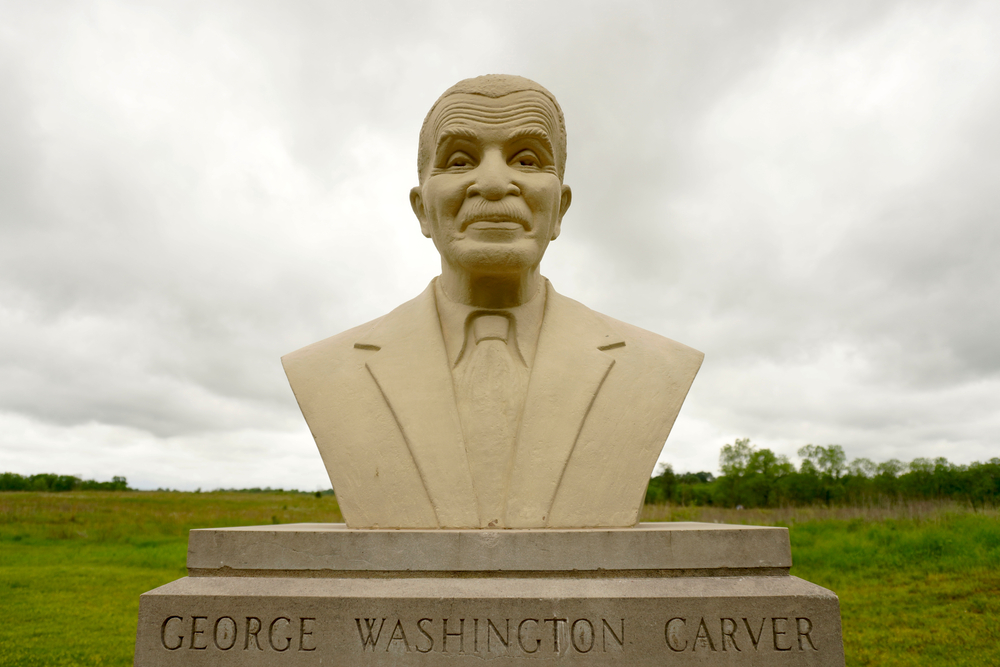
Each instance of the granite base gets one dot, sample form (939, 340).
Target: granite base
(322, 594)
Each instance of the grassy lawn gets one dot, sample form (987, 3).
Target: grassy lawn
(912, 592)
(83, 559)
(919, 585)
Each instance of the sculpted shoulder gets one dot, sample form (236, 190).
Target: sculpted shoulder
(677, 355)
(327, 350)
(340, 352)
(642, 344)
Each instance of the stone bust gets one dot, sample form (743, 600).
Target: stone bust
(490, 400)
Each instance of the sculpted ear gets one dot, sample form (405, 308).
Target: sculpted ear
(417, 204)
(564, 201)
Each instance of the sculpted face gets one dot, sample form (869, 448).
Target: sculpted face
(490, 400)
(491, 196)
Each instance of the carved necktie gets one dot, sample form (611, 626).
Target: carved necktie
(492, 382)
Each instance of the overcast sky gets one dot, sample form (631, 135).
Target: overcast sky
(805, 191)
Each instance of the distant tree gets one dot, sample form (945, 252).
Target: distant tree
(734, 459)
(49, 482)
(755, 477)
(695, 478)
(890, 468)
(829, 460)
(750, 476)
(983, 484)
(662, 486)
(862, 467)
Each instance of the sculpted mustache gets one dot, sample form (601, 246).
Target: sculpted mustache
(501, 211)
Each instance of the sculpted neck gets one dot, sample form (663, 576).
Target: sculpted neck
(507, 290)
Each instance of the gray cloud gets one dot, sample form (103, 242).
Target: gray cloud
(802, 190)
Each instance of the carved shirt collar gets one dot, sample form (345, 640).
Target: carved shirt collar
(527, 325)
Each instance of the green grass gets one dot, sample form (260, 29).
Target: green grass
(918, 584)
(72, 565)
(913, 592)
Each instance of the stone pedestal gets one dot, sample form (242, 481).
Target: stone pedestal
(323, 594)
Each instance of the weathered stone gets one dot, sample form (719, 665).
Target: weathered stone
(331, 549)
(490, 400)
(685, 594)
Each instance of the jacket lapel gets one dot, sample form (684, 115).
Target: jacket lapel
(411, 369)
(568, 371)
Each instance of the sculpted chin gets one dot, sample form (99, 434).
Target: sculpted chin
(490, 400)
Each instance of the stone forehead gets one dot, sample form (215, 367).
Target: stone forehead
(496, 85)
(515, 108)
(493, 86)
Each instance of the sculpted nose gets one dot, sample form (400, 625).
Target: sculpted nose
(493, 180)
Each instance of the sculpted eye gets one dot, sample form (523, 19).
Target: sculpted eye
(459, 160)
(526, 159)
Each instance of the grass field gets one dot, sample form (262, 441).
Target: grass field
(918, 584)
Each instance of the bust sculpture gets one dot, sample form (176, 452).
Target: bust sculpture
(494, 407)
(490, 400)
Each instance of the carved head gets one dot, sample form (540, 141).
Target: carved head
(491, 161)
(494, 86)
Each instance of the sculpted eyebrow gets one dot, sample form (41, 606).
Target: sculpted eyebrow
(449, 135)
(456, 133)
(536, 134)
(459, 132)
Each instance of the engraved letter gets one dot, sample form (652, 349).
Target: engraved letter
(505, 640)
(163, 634)
(670, 634)
(804, 633)
(754, 640)
(460, 634)
(604, 636)
(270, 634)
(366, 638)
(420, 627)
(586, 635)
(195, 632)
(401, 637)
(228, 633)
(555, 631)
(728, 632)
(303, 633)
(253, 627)
(707, 637)
(520, 638)
(775, 632)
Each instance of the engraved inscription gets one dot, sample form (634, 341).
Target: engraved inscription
(728, 634)
(485, 636)
(283, 641)
(196, 638)
(223, 633)
(177, 639)
(540, 636)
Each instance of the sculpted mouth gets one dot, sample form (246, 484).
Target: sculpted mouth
(495, 226)
(492, 221)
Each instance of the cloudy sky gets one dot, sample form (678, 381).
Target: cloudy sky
(806, 191)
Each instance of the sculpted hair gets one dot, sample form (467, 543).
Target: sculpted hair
(493, 86)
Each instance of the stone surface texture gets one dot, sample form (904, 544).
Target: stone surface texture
(314, 594)
(490, 443)
(490, 400)
(324, 549)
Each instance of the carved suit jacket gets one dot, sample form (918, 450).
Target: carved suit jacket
(601, 399)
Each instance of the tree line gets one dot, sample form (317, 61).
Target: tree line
(757, 477)
(51, 482)
(11, 481)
